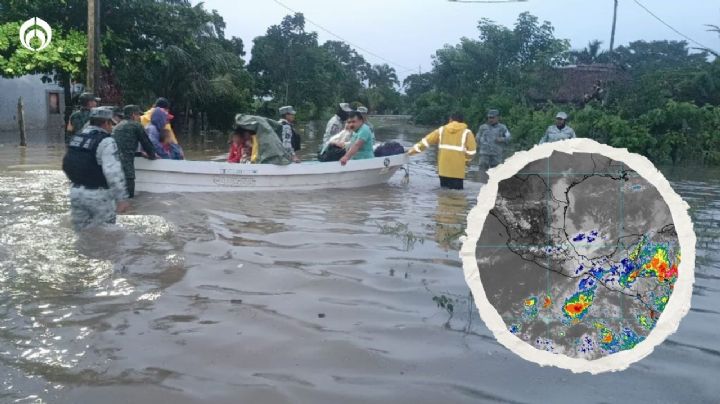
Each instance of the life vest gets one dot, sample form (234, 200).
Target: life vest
(80, 162)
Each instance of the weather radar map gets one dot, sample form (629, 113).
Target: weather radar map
(577, 258)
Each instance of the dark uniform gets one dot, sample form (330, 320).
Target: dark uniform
(97, 180)
(127, 135)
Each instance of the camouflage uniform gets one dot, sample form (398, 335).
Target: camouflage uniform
(78, 119)
(127, 135)
(491, 152)
(93, 207)
(555, 134)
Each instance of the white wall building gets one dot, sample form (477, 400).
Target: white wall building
(44, 105)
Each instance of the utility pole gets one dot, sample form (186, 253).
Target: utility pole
(614, 24)
(92, 82)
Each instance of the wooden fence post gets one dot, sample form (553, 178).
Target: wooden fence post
(21, 122)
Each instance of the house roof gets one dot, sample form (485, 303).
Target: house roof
(570, 84)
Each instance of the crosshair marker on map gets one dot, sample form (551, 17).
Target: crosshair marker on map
(580, 255)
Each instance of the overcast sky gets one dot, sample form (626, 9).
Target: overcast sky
(408, 32)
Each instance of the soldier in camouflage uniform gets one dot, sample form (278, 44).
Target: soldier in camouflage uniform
(97, 181)
(80, 117)
(128, 134)
(491, 139)
(559, 131)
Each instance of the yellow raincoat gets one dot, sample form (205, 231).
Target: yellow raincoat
(145, 120)
(456, 147)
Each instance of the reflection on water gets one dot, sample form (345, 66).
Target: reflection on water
(327, 296)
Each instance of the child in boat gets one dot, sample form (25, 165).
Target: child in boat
(166, 149)
(240, 148)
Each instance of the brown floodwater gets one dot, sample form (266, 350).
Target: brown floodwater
(290, 297)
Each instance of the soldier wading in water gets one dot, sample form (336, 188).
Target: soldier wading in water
(92, 165)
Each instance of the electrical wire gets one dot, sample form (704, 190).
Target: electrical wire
(403, 68)
(671, 27)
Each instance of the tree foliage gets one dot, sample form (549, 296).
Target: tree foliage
(66, 54)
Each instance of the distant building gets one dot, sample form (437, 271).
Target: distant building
(44, 104)
(578, 84)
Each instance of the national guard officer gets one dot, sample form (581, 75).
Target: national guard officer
(559, 131)
(97, 181)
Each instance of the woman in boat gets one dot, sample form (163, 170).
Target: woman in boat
(240, 148)
(164, 104)
(266, 145)
(166, 149)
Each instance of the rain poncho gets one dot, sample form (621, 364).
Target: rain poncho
(146, 118)
(267, 147)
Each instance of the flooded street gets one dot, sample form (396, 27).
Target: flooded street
(295, 297)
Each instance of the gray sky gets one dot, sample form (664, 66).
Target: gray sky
(408, 32)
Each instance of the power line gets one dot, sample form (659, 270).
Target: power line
(670, 26)
(407, 69)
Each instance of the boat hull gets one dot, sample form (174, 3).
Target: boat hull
(165, 176)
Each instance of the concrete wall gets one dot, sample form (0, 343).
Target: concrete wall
(36, 98)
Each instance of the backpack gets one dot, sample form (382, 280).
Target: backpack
(332, 153)
(389, 149)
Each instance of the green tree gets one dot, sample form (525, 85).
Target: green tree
(593, 53)
(382, 76)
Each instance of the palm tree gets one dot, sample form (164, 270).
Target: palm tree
(716, 29)
(593, 53)
(382, 76)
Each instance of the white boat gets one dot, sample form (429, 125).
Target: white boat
(163, 176)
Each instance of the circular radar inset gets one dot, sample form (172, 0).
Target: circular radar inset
(580, 255)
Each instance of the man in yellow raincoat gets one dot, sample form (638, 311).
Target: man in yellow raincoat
(456, 148)
(160, 103)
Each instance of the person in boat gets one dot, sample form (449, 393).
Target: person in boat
(456, 148)
(164, 104)
(334, 149)
(91, 164)
(168, 150)
(290, 138)
(128, 134)
(364, 111)
(266, 145)
(492, 137)
(240, 148)
(79, 118)
(362, 141)
(559, 131)
(337, 123)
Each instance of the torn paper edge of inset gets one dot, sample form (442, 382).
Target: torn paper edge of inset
(677, 306)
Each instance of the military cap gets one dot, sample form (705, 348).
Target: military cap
(101, 113)
(287, 110)
(492, 113)
(85, 97)
(131, 109)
